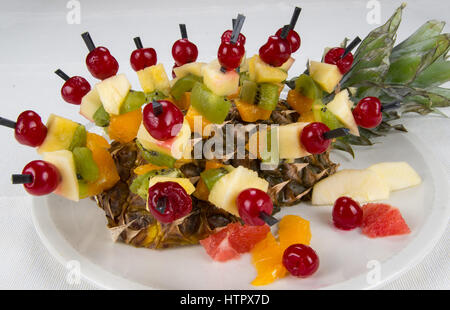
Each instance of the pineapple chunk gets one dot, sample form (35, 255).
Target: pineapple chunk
(260, 72)
(361, 185)
(63, 160)
(221, 84)
(112, 92)
(60, 132)
(289, 143)
(243, 67)
(228, 187)
(90, 104)
(340, 106)
(154, 78)
(326, 75)
(174, 147)
(184, 182)
(397, 175)
(194, 68)
(287, 65)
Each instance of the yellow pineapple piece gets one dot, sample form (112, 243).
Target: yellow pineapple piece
(112, 92)
(154, 78)
(60, 132)
(326, 75)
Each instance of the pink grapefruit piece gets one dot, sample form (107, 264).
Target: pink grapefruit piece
(229, 242)
(382, 220)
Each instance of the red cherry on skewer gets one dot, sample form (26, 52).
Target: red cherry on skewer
(183, 50)
(28, 129)
(168, 201)
(293, 37)
(277, 50)
(100, 63)
(347, 213)
(226, 36)
(342, 58)
(38, 177)
(230, 52)
(300, 260)
(255, 207)
(141, 57)
(367, 112)
(316, 137)
(162, 119)
(74, 89)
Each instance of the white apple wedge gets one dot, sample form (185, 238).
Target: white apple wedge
(340, 106)
(397, 175)
(90, 104)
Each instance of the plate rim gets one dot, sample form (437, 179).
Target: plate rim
(435, 224)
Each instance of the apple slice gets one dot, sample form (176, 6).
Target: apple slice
(340, 107)
(397, 175)
(289, 143)
(90, 104)
(63, 160)
(220, 83)
(361, 185)
(194, 68)
(112, 92)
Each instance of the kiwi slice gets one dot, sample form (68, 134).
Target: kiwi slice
(133, 101)
(211, 176)
(183, 85)
(156, 158)
(267, 96)
(155, 95)
(79, 138)
(85, 164)
(83, 190)
(248, 91)
(214, 108)
(101, 117)
(322, 114)
(306, 86)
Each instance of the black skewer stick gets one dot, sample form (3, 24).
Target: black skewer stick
(138, 43)
(157, 108)
(284, 32)
(21, 178)
(237, 29)
(233, 23)
(390, 106)
(62, 75)
(88, 41)
(336, 133)
(183, 31)
(7, 123)
(161, 204)
(269, 219)
(351, 46)
(294, 18)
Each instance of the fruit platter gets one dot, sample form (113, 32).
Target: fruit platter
(236, 162)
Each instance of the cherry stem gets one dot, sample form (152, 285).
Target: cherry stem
(7, 123)
(21, 178)
(285, 32)
(237, 29)
(88, 41)
(390, 106)
(336, 133)
(62, 75)
(351, 46)
(161, 204)
(138, 43)
(157, 107)
(294, 18)
(183, 31)
(269, 219)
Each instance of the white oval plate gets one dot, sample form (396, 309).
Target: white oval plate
(348, 259)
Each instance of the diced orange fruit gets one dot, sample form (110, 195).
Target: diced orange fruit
(146, 168)
(307, 117)
(185, 101)
(108, 175)
(201, 190)
(124, 128)
(250, 112)
(293, 229)
(93, 141)
(213, 164)
(190, 118)
(298, 102)
(267, 258)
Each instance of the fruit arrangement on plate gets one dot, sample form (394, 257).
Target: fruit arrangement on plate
(210, 155)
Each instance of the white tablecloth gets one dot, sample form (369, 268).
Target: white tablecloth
(36, 40)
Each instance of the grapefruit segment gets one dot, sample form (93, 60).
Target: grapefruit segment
(382, 220)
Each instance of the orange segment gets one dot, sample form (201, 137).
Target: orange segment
(146, 168)
(185, 101)
(293, 229)
(213, 164)
(267, 259)
(251, 112)
(190, 117)
(93, 140)
(201, 191)
(298, 102)
(124, 128)
(108, 175)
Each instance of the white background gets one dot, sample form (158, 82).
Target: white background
(36, 39)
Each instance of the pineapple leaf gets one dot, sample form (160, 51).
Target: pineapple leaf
(344, 146)
(436, 74)
(429, 29)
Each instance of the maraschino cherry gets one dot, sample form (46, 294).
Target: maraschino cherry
(38, 177)
(183, 50)
(293, 37)
(162, 119)
(226, 36)
(347, 213)
(28, 129)
(367, 112)
(100, 63)
(141, 57)
(74, 88)
(342, 58)
(316, 137)
(277, 50)
(168, 201)
(300, 260)
(255, 207)
(230, 52)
